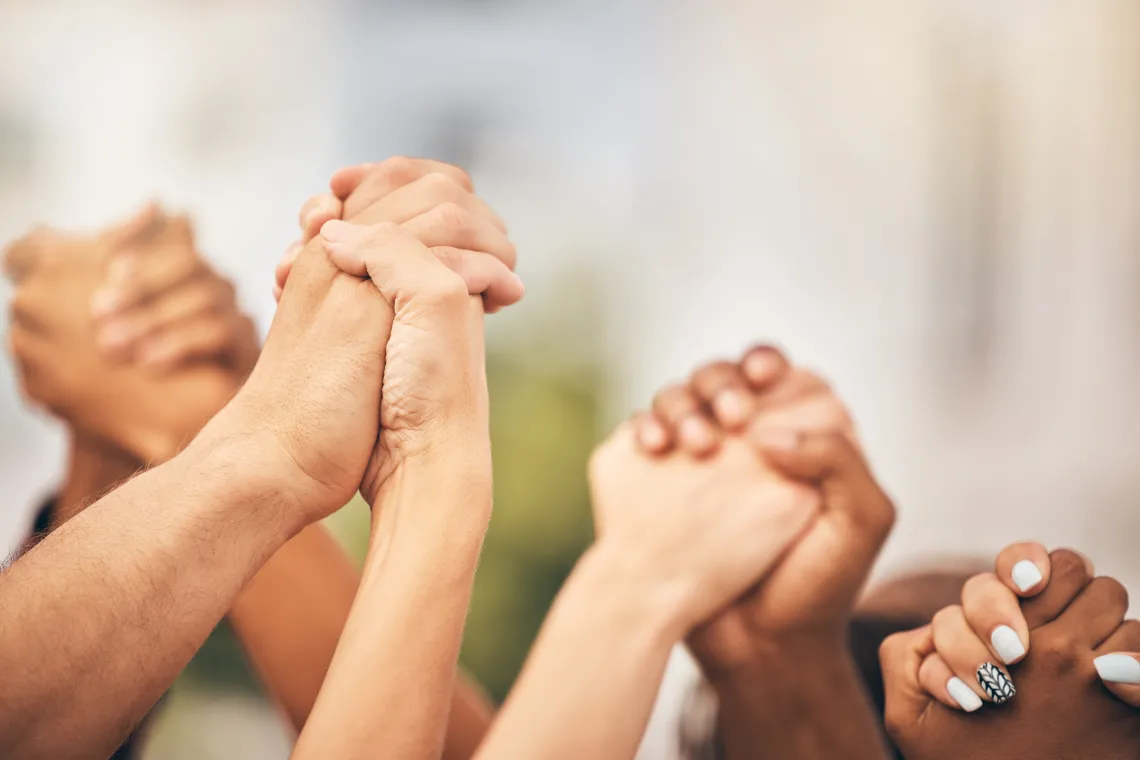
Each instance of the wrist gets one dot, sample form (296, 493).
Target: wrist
(628, 583)
(441, 493)
(245, 471)
(781, 663)
(726, 648)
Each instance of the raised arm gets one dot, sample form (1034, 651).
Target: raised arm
(679, 539)
(778, 657)
(99, 618)
(391, 681)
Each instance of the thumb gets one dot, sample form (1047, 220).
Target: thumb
(901, 657)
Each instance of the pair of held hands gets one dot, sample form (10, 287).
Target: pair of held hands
(1040, 619)
(139, 303)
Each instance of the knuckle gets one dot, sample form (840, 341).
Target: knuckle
(893, 721)
(946, 618)
(439, 185)
(453, 216)
(464, 179)
(885, 514)
(1066, 563)
(1056, 652)
(891, 646)
(448, 256)
(1111, 591)
(979, 588)
(445, 291)
(769, 349)
(397, 170)
(674, 397)
(713, 373)
(509, 254)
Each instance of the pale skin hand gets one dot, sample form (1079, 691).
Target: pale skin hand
(679, 540)
(393, 674)
(778, 657)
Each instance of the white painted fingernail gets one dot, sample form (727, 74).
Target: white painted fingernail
(966, 698)
(1118, 668)
(1007, 645)
(1025, 575)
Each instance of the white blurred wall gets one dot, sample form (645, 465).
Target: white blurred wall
(936, 204)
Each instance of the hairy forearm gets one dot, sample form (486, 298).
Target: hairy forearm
(589, 685)
(807, 704)
(153, 566)
(392, 679)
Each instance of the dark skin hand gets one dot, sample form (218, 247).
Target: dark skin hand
(1061, 709)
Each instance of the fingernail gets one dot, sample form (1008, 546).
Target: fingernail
(519, 282)
(294, 249)
(966, 698)
(995, 683)
(732, 408)
(651, 435)
(335, 230)
(1007, 645)
(1118, 668)
(1025, 575)
(778, 440)
(695, 433)
(104, 302)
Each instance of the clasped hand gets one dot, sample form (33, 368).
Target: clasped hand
(375, 358)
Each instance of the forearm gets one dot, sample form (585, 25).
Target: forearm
(805, 704)
(589, 685)
(153, 566)
(392, 679)
(289, 620)
(291, 615)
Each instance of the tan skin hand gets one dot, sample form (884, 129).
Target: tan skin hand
(63, 370)
(162, 306)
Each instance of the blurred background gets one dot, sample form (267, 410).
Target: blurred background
(933, 202)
